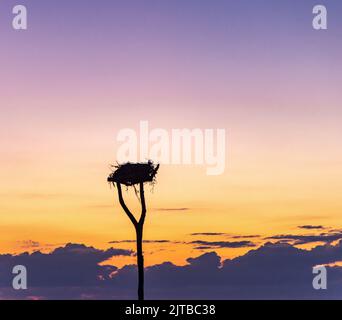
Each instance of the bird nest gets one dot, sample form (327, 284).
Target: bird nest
(130, 174)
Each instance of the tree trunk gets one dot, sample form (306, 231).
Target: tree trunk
(140, 259)
(139, 231)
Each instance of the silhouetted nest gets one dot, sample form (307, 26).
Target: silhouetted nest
(130, 174)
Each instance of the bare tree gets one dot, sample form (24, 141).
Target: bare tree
(133, 175)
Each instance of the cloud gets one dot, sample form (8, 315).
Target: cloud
(29, 244)
(303, 239)
(310, 227)
(222, 244)
(209, 234)
(273, 271)
(73, 264)
(246, 236)
(133, 241)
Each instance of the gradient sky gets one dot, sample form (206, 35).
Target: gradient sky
(85, 69)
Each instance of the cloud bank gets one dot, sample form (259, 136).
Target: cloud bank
(273, 271)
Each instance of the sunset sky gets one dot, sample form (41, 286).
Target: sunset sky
(86, 69)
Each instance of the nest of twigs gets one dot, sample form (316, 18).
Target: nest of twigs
(130, 174)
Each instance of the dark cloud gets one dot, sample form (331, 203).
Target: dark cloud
(310, 227)
(73, 264)
(273, 271)
(203, 248)
(222, 244)
(224, 234)
(246, 236)
(133, 241)
(303, 239)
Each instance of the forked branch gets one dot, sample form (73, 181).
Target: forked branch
(123, 205)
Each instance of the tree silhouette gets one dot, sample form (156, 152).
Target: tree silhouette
(132, 175)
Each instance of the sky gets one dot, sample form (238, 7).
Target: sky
(86, 69)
